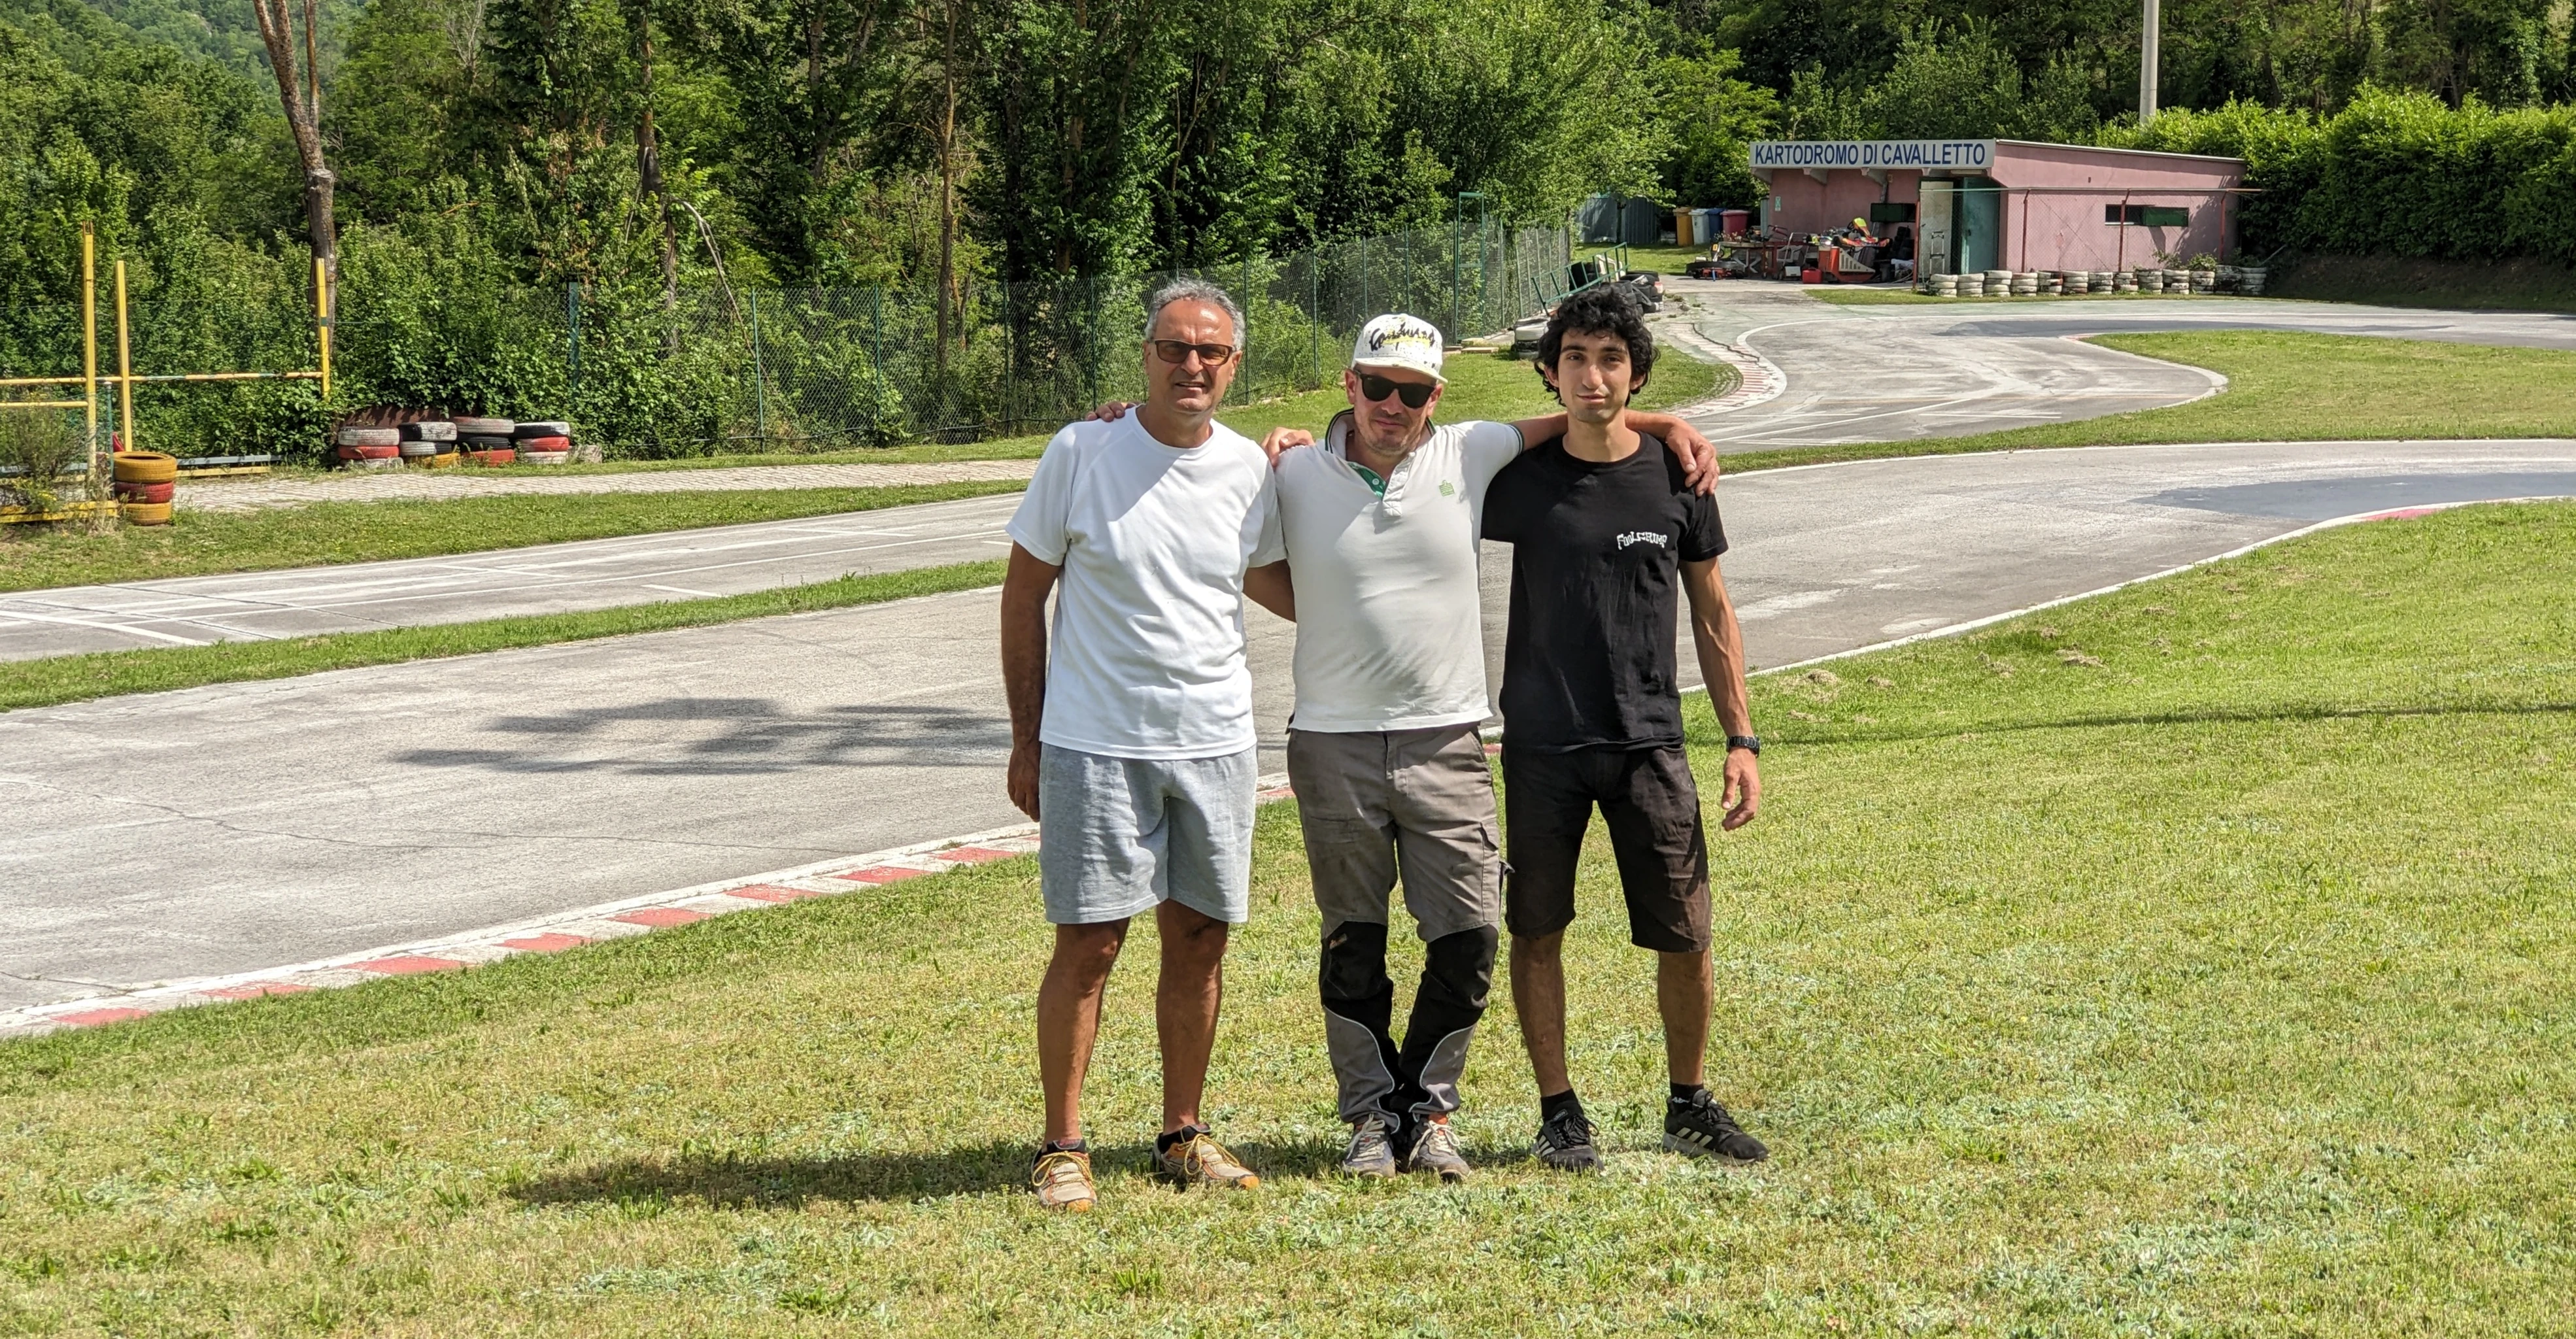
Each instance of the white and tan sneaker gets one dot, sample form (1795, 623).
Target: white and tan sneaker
(1062, 1180)
(1199, 1160)
(1436, 1150)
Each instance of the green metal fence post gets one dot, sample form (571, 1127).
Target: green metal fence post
(759, 379)
(572, 340)
(876, 361)
(1315, 310)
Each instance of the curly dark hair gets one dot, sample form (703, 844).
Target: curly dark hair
(1604, 309)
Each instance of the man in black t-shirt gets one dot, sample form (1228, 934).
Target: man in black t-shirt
(1604, 532)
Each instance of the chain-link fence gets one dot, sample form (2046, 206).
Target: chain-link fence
(709, 371)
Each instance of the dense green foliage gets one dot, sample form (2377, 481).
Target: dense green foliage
(922, 159)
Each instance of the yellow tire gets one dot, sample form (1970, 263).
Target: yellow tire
(146, 467)
(146, 513)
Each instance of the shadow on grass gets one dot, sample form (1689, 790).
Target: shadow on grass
(730, 1182)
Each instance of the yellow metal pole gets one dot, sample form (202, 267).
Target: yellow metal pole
(89, 332)
(124, 363)
(322, 322)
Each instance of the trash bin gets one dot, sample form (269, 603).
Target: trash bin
(1685, 226)
(1733, 220)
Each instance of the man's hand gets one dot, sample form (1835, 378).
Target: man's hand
(1110, 411)
(1022, 778)
(1742, 794)
(1699, 460)
(1280, 441)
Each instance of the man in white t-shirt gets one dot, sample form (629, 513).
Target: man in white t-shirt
(1132, 744)
(1381, 523)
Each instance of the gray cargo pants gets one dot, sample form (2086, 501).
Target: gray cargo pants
(1418, 804)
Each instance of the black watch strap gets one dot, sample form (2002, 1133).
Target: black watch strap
(1749, 743)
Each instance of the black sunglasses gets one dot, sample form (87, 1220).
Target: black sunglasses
(1178, 351)
(1415, 394)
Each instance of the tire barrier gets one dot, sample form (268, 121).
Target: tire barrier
(499, 455)
(370, 436)
(144, 492)
(543, 428)
(146, 467)
(145, 513)
(484, 427)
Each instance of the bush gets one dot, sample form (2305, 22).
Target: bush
(36, 447)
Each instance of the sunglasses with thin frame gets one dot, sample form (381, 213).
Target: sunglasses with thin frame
(1415, 394)
(1178, 351)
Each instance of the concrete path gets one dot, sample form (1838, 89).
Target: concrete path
(240, 826)
(1899, 372)
(254, 493)
(592, 574)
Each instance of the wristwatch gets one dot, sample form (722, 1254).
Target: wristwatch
(1749, 743)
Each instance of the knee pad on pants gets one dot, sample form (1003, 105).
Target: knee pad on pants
(1459, 968)
(1353, 965)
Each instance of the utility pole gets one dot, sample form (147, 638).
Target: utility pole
(2148, 41)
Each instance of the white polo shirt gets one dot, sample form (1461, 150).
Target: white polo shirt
(1390, 631)
(1147, 658)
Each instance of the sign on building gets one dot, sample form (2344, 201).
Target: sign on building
(1932, 155)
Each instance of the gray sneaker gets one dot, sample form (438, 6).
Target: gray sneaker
(1372, 1151)
(1436, 1150)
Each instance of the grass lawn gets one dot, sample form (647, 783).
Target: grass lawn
(2194, 960)
(2293, 386)
(33, 557)
(78, 678)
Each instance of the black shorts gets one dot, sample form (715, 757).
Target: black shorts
(1651, 806)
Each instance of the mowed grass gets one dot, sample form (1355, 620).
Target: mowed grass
(2292, 386)
(203, 543)
(52, 680)
(2194, 960)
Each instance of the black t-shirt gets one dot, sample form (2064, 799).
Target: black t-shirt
(1596, 559)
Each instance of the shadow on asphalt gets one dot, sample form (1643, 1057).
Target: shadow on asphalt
(700, 736)
(644, 1185)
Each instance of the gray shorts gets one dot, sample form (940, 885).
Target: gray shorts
(1116, 836)
(1418, 800)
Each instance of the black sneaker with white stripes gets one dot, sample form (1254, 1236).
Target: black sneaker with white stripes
(1698, 1127)
(1565, 1143)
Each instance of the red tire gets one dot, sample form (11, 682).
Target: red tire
(145, 492)
(544, 444)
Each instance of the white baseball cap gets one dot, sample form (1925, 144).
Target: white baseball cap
(1398, 340)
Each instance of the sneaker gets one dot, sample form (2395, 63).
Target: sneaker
(1565, 1143)
(1372, 1151)
(1436, 1150)
(1062, 1179)
(1698, 1127)
(1199, 1160)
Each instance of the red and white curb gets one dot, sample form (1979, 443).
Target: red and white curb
(1758, 380)
(555, 932)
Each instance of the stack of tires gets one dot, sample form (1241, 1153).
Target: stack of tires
(2249, 280)
(2075, 282)
(370, 448)
(144, 482)
(487, 441)
(1972, 284)
(2022, 283)
(543, 443)
(429, 444)
(1942, 285)
(2203, 281)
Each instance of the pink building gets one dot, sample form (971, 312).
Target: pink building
(2008, 204)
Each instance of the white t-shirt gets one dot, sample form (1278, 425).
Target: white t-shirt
(1147, 655)
(1390, 633)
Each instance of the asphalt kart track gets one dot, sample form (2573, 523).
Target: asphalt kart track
(243, 826)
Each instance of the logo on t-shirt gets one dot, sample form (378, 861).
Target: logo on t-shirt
(1645, 537)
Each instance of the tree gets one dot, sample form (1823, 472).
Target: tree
(301, 95)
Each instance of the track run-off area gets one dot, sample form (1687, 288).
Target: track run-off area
(237, 827)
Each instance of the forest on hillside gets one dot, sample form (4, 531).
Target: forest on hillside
(484, 148)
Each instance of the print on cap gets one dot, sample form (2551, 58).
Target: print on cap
(1399, 340)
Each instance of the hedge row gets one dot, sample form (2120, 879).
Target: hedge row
(2394, 174)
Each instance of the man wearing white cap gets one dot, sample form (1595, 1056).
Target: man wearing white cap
(1381, 522)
